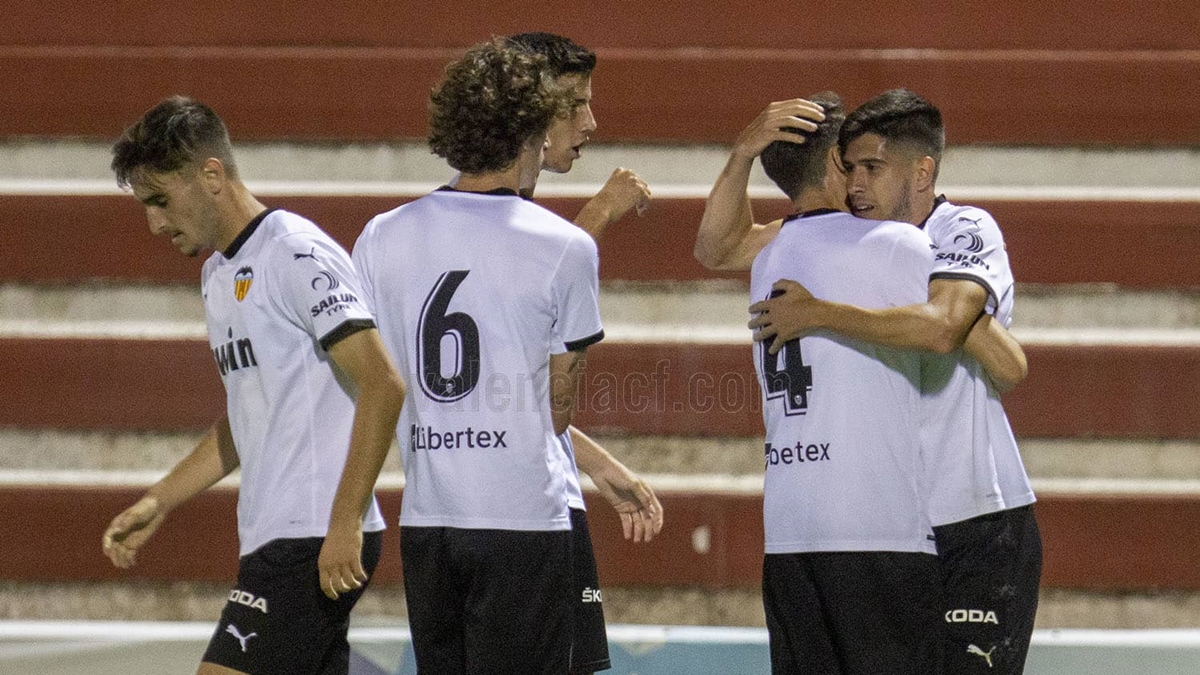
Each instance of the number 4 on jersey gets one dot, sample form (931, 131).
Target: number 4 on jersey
(436, 324)
(791, 383)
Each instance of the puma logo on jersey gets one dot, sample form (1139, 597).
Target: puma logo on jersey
(592, 595)
(971, 616)
(242, 639)
(244, 598)
(312, 253)
(987, 656)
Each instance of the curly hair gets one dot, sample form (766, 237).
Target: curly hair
(489, 104)
(177, 132)
(564, 56)
(795, 167)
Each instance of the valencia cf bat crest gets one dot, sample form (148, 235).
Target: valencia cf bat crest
(241, 282)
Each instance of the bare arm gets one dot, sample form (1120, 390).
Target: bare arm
(213, 458)
(564, 375)
(380, 395)
(728, 237)
(998, 352)
(939, 325)
(640, 511)
(623, 191)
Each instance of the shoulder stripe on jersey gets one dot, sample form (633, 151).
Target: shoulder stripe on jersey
(344, 330)
(578, 345)
(958, 276)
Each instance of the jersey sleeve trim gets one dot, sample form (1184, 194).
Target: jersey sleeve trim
(958, 276)
(584, 343)
(344, 330)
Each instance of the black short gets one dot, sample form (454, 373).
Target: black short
(488, 601)
(853, 613)
(589, 645)
(991, 570)
(278, 622)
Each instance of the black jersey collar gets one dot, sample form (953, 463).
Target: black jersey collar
(810, 214)
(497, 192)
(941, 199)
(245, 234)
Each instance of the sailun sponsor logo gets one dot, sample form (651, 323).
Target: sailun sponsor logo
(974, 241)
(962, 260)
(324, 278)
(333, 304)
(234, 354)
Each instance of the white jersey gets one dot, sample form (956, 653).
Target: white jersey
(974, 465)
(571, 470)
(473, 293)
(275, 301)
(843, 457)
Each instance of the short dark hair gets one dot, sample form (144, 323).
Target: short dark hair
(177, 132)
(563, 56)
(902, 117)
(797, 166)
(489, 104)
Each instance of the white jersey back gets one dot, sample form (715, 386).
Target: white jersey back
(286, 293)
(843, 460)
(974, 465)
(472, 294)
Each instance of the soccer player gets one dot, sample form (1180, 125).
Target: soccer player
(294, 342)
(980, 496)
(488, 302)
(850, 575)
(571, 66)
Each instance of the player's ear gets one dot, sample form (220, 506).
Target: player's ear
(926, 166)
(212, 172)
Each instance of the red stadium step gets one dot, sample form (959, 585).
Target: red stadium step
(65, 238)
(659, 389)
(958, 24)
(711, 540)
(684, 95)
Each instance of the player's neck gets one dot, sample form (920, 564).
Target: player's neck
(509, 179)
(922, 206)
(812, 199)
(241, 208)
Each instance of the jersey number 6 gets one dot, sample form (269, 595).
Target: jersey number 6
(435, 325)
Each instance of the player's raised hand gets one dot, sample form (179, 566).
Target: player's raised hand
(339, 565)
(635, 502)
(623, 191)
(771, 125)
(788, 314)
(130, 530)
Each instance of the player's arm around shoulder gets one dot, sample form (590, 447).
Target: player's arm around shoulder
(381, 391)
(998, 352)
